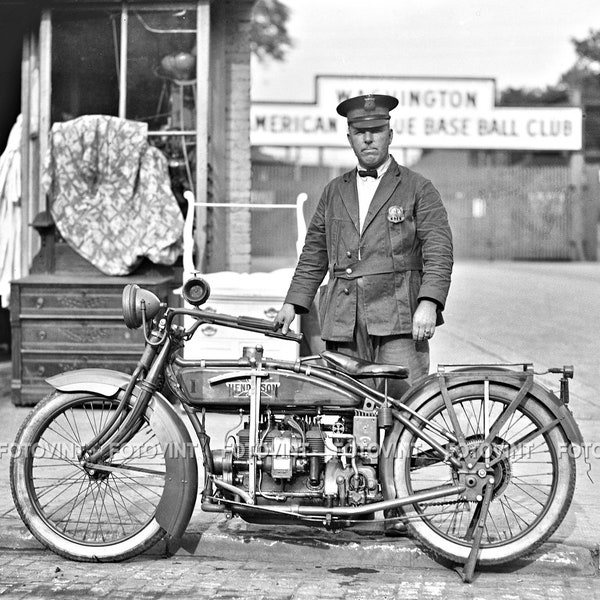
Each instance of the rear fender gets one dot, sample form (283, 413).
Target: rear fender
(176, 505)
(429, 387)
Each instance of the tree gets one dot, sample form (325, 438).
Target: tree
(269, 36)
(588, 51)
(584, 75)
(551, 95)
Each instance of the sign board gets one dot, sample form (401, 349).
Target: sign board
(450, 113)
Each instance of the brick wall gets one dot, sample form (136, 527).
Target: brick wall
(238, 166)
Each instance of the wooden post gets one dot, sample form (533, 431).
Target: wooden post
(202, 120)
(577, 166)
(45, 103)
(578, 180)
(123, 62)
(26, 249)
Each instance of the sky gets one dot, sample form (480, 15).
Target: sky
(519, 43)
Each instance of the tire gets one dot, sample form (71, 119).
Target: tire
(534, 483)
(79, 514)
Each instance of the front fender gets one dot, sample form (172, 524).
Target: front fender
(176, 505)
(105, 382)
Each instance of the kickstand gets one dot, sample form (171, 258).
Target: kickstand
(468, 571)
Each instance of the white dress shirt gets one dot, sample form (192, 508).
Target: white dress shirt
(366, 190)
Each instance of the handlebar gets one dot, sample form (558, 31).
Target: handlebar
(268, 328)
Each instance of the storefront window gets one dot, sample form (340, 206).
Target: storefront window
(156, 84)
(84, 64)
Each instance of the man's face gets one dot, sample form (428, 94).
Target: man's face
(370, 144)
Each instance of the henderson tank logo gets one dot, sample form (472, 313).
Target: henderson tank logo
(241, 389)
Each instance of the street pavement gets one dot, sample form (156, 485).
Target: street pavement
(497, 312)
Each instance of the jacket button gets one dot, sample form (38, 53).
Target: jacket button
(349, 271)
(346, 291)
(348, 254)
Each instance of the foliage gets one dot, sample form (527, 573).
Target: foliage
(583, 77)
(588, 51)
(269, 35)
(552, 95)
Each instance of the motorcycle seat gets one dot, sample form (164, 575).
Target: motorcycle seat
(363, 369)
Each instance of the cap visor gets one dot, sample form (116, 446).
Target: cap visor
(369, 124)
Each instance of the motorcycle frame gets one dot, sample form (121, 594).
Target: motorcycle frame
(161, 354)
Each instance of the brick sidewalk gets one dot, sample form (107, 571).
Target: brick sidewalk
(43, 575)
(486, 321)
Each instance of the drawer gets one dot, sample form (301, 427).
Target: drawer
(217, 341)
(232, 346)
(259, 307)
(29, 387)
(42, 302)
(39, 296)
(60, 334)
(39, 366)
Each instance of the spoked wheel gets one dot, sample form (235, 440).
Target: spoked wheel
(81, 511)
(533, 474)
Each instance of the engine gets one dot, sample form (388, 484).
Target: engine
(330, 461)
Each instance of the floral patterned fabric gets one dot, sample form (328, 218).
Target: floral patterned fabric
(110, 194)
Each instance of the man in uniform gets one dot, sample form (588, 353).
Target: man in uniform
(381, 233)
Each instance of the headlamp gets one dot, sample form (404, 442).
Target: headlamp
(135, 302)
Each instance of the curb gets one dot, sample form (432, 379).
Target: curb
(5, 377)
(211, 536)
(370, 548)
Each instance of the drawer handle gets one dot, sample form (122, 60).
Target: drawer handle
(39, 303)
(41, 370)
(271, 313)
(208, 330)
(42, 335)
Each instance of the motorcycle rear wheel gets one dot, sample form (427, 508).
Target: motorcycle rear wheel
(76, 511)
(534, 483)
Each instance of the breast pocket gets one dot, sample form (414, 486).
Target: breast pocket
(402, 235)
(344, 238)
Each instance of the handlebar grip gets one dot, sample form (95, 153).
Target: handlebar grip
(260, 323)
(290, 335)
(270, 328)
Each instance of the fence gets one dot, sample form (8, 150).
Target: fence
(509, 213)
(274, 233)
(504, 213)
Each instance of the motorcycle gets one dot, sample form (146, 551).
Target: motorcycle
(477, 460)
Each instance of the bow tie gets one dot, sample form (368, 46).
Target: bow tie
(368, 173)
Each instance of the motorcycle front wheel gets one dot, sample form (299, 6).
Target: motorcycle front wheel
(533, 471)
(80, 512)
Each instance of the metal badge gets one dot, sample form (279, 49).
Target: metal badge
(395, 214)
(369, 103)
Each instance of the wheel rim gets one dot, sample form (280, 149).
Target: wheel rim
(89, 506)
(525, 479)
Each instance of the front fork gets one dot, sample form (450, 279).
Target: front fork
(123, 425)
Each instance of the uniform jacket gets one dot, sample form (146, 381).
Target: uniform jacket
(400, 262)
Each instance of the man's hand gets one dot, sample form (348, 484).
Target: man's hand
(424, 320)
(285, 316)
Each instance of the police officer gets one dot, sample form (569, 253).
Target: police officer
(381, 234)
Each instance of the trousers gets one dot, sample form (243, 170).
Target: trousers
(390, 349)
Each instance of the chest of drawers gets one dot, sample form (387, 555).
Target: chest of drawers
(62, 322)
